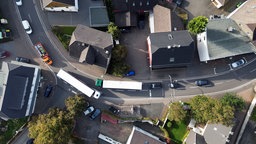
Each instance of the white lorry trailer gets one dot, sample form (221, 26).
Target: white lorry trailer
(78, 84)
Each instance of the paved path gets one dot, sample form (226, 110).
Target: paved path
(246, 119)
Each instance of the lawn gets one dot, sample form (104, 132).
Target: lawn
(12, 127)
(64, 34)
(177, 131)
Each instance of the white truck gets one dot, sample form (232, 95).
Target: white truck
(126, 85)
(78, 84)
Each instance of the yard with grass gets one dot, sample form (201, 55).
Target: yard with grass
(11, 127)
(178, 131)
(64, 34)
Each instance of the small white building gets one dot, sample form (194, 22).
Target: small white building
(60, 5)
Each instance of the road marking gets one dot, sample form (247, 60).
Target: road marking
(74, 92)
(253, 70)
(29, 17)
(218, 83)
(193, 87)
(150, 94)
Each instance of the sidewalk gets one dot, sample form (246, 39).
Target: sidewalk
(246, 118)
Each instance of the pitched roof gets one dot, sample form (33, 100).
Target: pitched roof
(216, 133)
(92, 37)
(171, 49)
(225, 38)
(165, 20)
(54, 3)
(139, 136)
(20, 102)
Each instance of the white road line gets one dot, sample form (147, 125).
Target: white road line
(150, 94)
(217, 83)
(193, 87)
(253, 70)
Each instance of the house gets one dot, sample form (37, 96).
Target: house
(212, 134)
(127, 12)
(139, 136)
(164, 20)
(170, 49)
(60, 5)
(219, 3)
(223, 38)
(18, 88)
(91, 46)
(244, 16)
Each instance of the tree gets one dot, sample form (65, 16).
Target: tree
(206, 109)
(75, 105)
(233, 100)
(113, 30)
(177, 113)
(52, 128)
(197, 25)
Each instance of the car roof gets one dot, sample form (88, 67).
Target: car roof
(25, 24)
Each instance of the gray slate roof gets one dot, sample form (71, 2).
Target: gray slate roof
(92, 37)
(223, 43)
(16, 88)
(178, 45)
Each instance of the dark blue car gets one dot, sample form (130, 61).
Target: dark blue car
(48, 90)
(95, 114)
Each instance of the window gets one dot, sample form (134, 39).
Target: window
(172, 59)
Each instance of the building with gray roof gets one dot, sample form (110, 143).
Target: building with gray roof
(91, 46)
(139, 136)
(223, 38)
(170, 49)
(19, 83)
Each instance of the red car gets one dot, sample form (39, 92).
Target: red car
(4, 54)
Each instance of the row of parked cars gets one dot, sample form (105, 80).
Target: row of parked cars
(95, 112)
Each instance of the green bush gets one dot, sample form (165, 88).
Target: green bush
(63, 33)
(169, 124)
(253, 115)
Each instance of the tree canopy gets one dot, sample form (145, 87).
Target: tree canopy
(52, 128)
(197, 25)
(75, 104)
(206, 109)
(233, 100)
(113, 30)
(176, 112)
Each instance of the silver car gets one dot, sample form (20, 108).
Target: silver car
(238, 63)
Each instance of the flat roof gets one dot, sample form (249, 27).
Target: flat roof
(98, 16)
(133, 85)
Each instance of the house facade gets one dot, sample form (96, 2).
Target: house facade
(18, 88)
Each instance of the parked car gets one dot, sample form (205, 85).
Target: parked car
(22, 59)
(18, 2)
(178, 2)
(238, 63)
(27, 27)
(95, 114)
(4, 54)
(48, 90)
(89, 110)
(114, 110)
(30, 141)
(157, 85)
(130, 73)
(202, 82)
